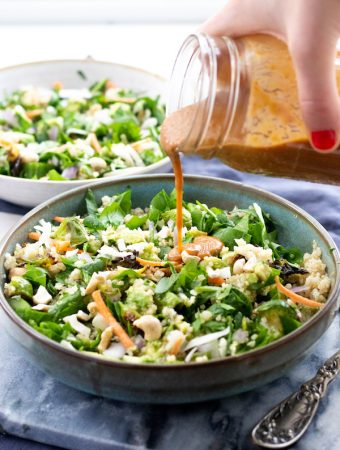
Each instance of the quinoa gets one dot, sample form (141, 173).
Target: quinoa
(317, 281)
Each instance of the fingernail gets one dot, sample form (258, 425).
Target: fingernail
(323, 140)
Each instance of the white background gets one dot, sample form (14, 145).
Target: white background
(142, 33)
(149, 46)
(106, 11)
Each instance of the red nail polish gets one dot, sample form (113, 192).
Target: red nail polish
(324, 139)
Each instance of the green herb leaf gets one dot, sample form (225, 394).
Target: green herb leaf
(73, 230)
(229, 234)
(166, 283)
(35, 170)
(160, 203)
(112, 214)
(53, 175)
(55, 331)
(36, 275)
(91, 204)
(24, 310)
(93, 223)
(66, 305)
(136, 222)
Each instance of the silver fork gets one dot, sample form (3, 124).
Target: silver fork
(288, 421)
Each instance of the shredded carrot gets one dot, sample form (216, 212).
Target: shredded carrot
(12, 150)
(296, 298)
(110, 84)
(95, 143)
(33, 113)
(117, 329)
(216, 280)
(57, 85)
(58, 219)
(70, 249)
(34, 235)
(176, 347)
(62, 246)
(145, 262)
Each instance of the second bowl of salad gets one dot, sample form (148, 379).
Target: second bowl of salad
(64, 124)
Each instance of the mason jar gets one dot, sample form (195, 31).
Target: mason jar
(237, 99)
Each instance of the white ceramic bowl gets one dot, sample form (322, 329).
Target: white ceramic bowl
(30, 193)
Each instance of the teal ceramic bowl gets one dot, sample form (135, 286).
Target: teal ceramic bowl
(176, 383)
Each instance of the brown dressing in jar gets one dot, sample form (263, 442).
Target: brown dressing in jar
(249, 117)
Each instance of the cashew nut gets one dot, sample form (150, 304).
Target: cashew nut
(56, 268)
(250, 264)
(97, 163)
(93, 283)
(105, 339)
(92, 307)
(16, 272)
(150, 325)
(238, 266)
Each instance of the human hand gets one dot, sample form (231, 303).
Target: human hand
(310, 29)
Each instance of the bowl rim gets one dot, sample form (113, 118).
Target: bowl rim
(85, 356)
(88, 60)
(79, 183)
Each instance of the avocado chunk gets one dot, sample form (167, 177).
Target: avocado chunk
(279, 316)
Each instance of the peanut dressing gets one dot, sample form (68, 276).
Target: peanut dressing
(177, 167)
(202, 245)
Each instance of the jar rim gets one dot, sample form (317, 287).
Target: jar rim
(203, 48)
(196, 45)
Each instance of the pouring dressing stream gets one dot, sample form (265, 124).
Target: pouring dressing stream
(177, 167)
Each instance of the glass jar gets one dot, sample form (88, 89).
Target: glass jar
(237, 99)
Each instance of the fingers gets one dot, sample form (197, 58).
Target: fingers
(314, 60)
(311, 29)
(242, 17)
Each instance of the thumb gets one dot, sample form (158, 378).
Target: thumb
(314, 61)
(241, 17)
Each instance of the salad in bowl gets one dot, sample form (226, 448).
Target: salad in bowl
(111, 282)
(95, 291)
(78, 134)
(64, 124)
